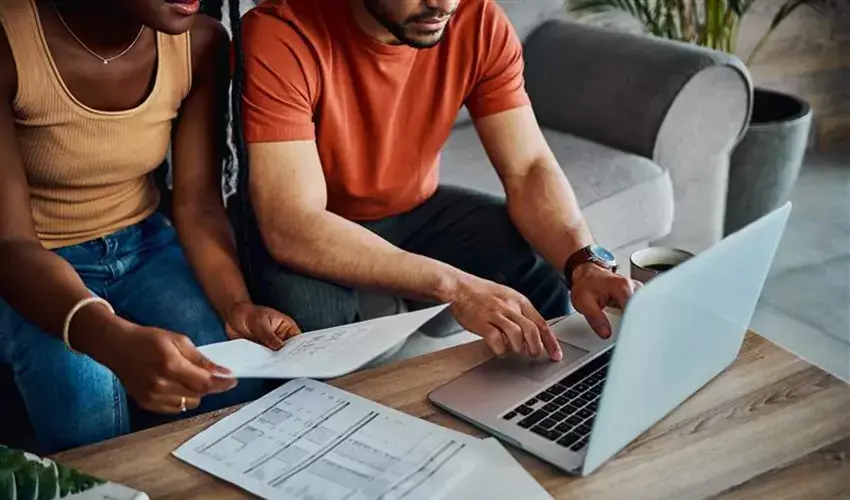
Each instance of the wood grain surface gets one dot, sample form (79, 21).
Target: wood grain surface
(771, 426)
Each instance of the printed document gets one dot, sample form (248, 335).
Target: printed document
(499, 476)
(310, 441)
(321, 354)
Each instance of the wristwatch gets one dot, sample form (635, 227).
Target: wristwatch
(593, 254)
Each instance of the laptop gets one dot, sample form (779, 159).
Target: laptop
(676, 334)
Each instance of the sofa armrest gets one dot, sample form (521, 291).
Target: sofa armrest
(680, 105)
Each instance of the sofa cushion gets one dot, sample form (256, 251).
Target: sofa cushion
(625, 198)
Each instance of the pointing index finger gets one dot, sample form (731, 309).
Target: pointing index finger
(550, 342)
(588, 306)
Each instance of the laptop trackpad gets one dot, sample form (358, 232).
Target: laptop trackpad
(542, 368)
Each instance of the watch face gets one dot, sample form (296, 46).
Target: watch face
(600, 253)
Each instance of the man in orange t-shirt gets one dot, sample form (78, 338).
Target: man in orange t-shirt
(345, 107)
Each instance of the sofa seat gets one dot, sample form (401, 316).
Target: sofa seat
(606, 181)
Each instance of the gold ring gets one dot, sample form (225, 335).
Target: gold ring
(182, 404)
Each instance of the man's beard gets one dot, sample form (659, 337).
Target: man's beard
(381, 14)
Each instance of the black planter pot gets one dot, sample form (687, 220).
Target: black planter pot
(765, 165)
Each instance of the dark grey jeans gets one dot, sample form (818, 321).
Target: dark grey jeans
(465, 229)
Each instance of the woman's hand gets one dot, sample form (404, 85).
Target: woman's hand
(164, 371)
(262, 325)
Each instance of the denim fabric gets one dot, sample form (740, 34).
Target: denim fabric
(466, 229)
(71, 399)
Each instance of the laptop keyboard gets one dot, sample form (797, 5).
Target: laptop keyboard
(564, 412)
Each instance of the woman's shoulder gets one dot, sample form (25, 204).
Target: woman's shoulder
(209, 41)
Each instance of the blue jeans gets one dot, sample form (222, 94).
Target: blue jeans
(71, 399)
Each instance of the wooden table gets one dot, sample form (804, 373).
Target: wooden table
(771, 427)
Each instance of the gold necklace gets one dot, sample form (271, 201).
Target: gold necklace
(106, 60)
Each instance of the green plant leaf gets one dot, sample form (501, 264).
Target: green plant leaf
(11, 459)
(712, 23)
(73, 481)
(656, 13)
(7, 485)
(26, 481)
(786, 10)
(48, 485)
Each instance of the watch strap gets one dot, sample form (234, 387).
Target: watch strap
(582, 256)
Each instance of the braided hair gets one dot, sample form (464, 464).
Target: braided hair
(236, 103)
(215, 9)
(239, 164)
(237, 133)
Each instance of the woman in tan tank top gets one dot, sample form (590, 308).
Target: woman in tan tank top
(93, 93)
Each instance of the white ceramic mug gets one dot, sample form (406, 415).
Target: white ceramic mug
(650, 262)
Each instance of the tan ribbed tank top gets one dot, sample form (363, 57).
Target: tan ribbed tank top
(88, 170)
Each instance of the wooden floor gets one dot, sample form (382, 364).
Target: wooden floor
(808, 55)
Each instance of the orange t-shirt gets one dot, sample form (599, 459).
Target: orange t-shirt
(379, 113)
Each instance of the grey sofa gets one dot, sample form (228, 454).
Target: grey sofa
(642, 127)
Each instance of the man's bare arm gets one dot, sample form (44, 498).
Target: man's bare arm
(289, 196)
(543, 206)
(540, 199)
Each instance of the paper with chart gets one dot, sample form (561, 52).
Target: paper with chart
(320, 354)
(308, 440)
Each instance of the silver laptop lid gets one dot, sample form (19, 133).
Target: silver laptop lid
(680, 331)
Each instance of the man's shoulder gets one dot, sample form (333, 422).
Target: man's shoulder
(474, 21)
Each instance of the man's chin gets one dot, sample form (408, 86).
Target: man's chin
(425, 40)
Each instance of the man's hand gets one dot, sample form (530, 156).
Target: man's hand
(504, 318)
(262, 325)
(159, 368)
(594, 289)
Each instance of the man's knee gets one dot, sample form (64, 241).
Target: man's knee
(546, 289)
(514, 261)
(314, 304)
